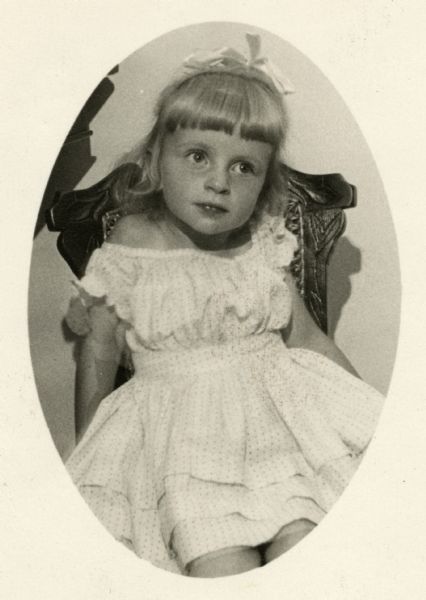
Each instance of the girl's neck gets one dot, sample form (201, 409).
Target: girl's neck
(183, 236)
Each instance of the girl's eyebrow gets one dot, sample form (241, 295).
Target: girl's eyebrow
(193, 144)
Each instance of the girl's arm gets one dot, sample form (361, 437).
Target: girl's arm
(101, 348)
(97, 364)
(303, 332)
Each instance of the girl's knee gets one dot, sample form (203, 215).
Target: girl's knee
(229, 561)
(288, 537)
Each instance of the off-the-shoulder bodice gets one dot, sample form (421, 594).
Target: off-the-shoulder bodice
(185, 298)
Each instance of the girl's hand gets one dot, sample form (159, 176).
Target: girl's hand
(303, 332)
(77, 317)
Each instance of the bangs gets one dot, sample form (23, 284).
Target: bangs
(227, 102)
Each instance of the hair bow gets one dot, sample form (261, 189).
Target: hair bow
(230, 59)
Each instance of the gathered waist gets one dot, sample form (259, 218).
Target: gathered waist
(184, 362)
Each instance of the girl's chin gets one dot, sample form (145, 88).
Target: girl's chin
(209, 230)
(211, 226)
(217, 225)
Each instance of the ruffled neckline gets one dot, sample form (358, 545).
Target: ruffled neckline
(122, 273)
(167, 253)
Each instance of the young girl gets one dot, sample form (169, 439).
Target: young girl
(243, 422)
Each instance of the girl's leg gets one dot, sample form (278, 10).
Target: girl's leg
(229, 561)
(288, 537)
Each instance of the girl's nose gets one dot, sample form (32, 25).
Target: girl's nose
(217, 181)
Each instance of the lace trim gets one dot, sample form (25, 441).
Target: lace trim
(278, 242)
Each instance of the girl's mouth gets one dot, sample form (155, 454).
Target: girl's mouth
(212, 208)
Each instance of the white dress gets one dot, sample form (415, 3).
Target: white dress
(223, 435)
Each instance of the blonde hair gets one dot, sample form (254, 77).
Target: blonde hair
(232, 102)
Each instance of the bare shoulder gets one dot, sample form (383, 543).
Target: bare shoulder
(137, 231)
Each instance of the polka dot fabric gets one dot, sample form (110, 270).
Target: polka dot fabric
(224, 435)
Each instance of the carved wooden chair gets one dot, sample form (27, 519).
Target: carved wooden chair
(315, 214)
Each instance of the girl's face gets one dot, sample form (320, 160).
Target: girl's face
(211, 180)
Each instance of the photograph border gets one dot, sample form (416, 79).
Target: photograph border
(51, 555)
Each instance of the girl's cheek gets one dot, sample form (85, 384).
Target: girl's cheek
(251, 185)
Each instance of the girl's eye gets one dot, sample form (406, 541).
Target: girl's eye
(244, 168)
(196, 156)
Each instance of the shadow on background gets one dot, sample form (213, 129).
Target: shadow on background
(345, 261)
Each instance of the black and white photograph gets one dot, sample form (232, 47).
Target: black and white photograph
(214, 319)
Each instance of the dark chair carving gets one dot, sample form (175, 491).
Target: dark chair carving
(314, 214)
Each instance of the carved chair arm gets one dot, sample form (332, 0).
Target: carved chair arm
(315, 214)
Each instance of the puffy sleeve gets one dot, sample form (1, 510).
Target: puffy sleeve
(109, 277)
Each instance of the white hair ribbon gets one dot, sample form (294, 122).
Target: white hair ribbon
(229, 60)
